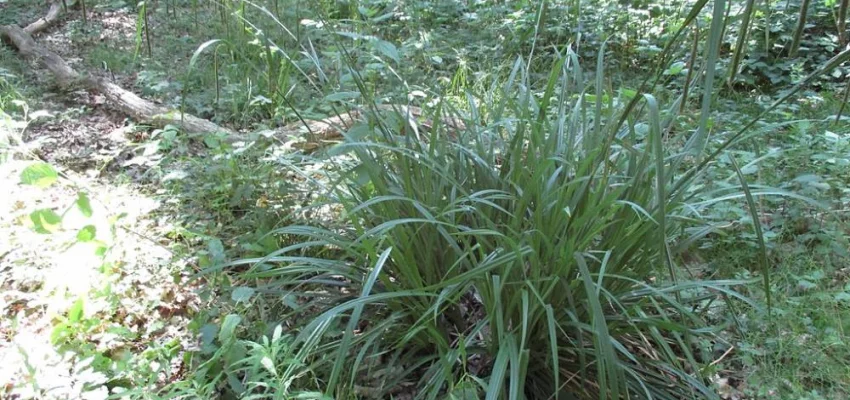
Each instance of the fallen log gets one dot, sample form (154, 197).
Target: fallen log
(123, 100)
(44, 22)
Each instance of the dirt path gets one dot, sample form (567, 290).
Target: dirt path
(86, 319)
(133, 298)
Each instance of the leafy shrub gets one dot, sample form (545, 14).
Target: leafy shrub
(768, 64)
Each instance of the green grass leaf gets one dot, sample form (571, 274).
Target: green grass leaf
(341, 96)
(228, 327)
(754, 215)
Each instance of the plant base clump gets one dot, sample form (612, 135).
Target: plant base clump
(525, 256)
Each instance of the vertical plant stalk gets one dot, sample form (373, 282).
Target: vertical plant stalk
(830, 65)
(841, 22)
(272, 72)
(224, 20)
(754, 214)
(85, 16)
(843, 102)
(660, 182)
(691, 66)
(147, 30)
(741, 43)
(215, 77)
(539, 21)
(297, 18)
(597, 114)
(195, 13)
(577, 22)
(725, 22)
(696, 143)
(767, 11)
(801, 26)
(353, 12)
(242, 16)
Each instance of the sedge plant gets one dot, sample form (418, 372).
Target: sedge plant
(529, 253)
(513, 258)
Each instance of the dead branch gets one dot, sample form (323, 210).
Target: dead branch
(44, 22)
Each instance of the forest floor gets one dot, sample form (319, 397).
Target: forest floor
(128, 299)
(66, 302)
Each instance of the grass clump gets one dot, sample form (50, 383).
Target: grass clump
(525, 255)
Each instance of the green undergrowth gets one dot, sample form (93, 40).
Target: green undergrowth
(13, 12)
(798, 350)
(590, 231)
(89, 309)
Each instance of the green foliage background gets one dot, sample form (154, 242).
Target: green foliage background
(643, 200)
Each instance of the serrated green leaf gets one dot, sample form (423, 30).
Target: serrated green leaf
(208, 333)
(235, 383)
(806, 285)
(86, 234)
(101, 249)
(675, 69)
(59, 332)
(388, 49)
(40, 174)
(366, 12)
(290, 301)
(351, 35)
(242, 293)
(465, 391)
(212, 142)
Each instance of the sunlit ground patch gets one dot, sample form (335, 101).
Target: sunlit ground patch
(88, 306)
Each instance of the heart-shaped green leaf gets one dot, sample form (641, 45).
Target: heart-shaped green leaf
(40, 174)
(84, 204)
(86, 234)
(45, 221)
(242, 293)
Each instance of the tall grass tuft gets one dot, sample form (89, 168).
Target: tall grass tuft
(525, 256)
(530, 253)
